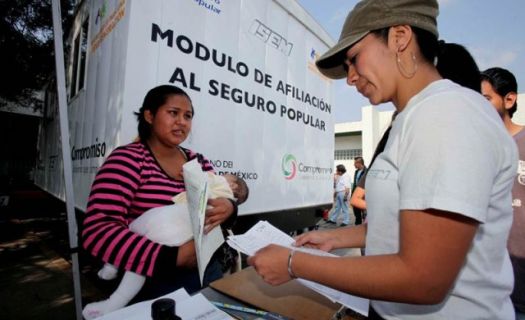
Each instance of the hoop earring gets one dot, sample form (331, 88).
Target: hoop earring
(402, 69)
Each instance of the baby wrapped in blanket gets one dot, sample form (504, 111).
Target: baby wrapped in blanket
(167, 225)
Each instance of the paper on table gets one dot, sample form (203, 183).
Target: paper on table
(196, 182)
(263, 234)
(186, 307)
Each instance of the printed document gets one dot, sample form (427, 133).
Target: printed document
(187, 307)
(263, 234)
(196, 182)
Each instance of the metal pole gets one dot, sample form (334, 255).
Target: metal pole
(64, 135)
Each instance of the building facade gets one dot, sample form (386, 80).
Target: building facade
(358, 139)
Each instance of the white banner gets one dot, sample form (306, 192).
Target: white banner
(262, 110)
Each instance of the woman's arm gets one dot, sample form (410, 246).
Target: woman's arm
(433, 247)
(106, 234)
(358, 198)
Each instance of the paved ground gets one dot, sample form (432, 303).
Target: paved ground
(35, 269)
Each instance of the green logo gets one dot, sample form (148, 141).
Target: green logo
(289, 166)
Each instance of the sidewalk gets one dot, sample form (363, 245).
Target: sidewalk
(35, 272)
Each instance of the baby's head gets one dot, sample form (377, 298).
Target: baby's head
(238, 186)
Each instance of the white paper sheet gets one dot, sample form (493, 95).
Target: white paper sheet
(196, 182)
(263, 234)
(187, 307)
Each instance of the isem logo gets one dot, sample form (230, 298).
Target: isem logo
(289, 166)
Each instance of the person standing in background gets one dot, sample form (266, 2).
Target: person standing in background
(342, 190)
(499, 86)
(360, 170)
(328, 212)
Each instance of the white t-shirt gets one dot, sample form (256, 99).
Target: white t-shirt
(448, 150)
(343, 182)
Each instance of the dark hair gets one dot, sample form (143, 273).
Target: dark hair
(454, 62)
(243, 192)
(359, 159)
(503, 82)
(341, 168)
(153, 100)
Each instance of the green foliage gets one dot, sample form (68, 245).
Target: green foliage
(26, 42)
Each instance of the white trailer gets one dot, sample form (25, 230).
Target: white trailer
(262, 109)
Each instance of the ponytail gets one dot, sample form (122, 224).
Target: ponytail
(455, 63)
(452, 60)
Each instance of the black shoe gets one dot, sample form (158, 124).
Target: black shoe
(343, 225)
(330, 221)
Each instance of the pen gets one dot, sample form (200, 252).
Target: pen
(265, 314)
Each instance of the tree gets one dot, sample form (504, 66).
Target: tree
(26, 39)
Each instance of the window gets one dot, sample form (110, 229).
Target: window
(50, 102)
(79, 60)
(348, 154)
(83, 51)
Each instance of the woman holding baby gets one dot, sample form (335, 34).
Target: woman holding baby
(143, 175)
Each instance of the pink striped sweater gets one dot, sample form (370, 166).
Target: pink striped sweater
(128, 183)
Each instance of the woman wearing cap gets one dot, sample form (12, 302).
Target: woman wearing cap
(438, 196)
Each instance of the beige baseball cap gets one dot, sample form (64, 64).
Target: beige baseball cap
(370, 15)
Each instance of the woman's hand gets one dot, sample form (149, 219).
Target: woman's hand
(322, 240)
(221, 209)
(187, 257)
(271, 263)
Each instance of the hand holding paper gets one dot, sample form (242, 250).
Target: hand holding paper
(272, 260)
(263, 234)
